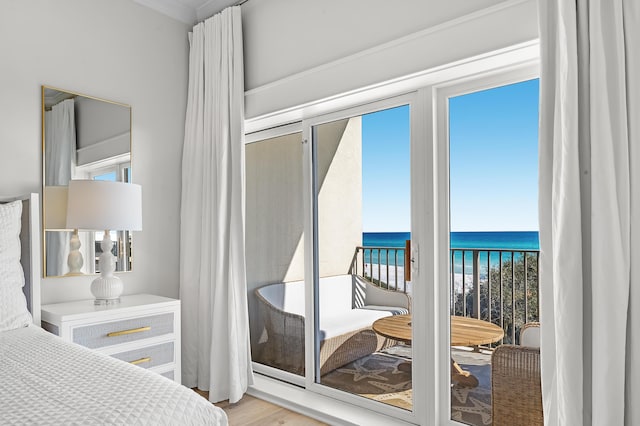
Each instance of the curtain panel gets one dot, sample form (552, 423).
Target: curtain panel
(590, 211)
(60, 154)
(216, 348)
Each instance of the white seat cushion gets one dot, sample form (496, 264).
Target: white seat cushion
(347, 322)
(393, 310)
(337, 316)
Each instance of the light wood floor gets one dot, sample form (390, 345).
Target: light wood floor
(252, 411)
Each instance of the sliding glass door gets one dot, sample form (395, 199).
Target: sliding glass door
(489, 164)
(362, 285)
(328, 247)
(275, 254)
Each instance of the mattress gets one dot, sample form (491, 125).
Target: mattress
(46, 381)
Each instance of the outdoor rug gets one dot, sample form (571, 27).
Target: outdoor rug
(382, 377)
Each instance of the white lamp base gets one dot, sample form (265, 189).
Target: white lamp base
(107, 288)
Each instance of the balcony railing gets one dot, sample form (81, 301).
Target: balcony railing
(496, 285)
(384, 266)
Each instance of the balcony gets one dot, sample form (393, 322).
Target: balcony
(500, 286)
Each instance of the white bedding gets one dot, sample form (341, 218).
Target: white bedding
(46, 381)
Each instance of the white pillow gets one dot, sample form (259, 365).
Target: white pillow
(530, 336)
(13, 305)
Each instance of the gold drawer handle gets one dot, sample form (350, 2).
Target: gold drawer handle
(140, 361)
(124, 332)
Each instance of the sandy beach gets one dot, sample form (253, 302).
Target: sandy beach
(391, 278)
(394, 278)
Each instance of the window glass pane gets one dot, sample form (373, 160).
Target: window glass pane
(275, 252)
(364, 224)
(493, 139)
(110, 176)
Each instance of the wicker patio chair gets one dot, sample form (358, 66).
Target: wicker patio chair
(284, 347)
(516, 395)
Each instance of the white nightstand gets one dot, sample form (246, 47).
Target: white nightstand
(142, 329)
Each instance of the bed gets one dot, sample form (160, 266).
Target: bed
(47, 381)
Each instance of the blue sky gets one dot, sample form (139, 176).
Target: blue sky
(493, 163)
(385, 171)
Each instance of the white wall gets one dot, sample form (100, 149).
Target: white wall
(275, 206)
(115, 50)
(301, 51)
(339, 147)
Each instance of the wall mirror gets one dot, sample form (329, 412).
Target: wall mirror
(83, 137)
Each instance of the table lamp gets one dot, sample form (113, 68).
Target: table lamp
(55, 219)
(109, 206)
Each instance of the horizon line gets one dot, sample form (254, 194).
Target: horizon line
(408, 232)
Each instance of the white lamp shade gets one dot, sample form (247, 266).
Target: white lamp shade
(55, 208)
(103, 205)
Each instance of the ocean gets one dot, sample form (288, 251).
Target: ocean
(468, 240)
(473, 240)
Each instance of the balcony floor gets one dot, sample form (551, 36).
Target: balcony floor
(472, 405)
(381, 377)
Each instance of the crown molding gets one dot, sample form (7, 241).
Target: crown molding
(211, 7)
(188, 11)
(172, 8)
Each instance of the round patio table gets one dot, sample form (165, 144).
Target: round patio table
(464, 332)
(396, 327)
(467, 331)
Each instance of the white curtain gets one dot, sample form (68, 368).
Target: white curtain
(590, 211)
(216, 349)
(60, 151)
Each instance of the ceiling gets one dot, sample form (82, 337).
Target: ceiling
(188, 11)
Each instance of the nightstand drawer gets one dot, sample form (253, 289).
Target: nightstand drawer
(150, 356)
(123, 331)
(143, 328)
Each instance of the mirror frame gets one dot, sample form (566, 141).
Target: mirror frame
(74, 94)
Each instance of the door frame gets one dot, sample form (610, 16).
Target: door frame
(312, 253)
(440, 96)
(429, 163)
